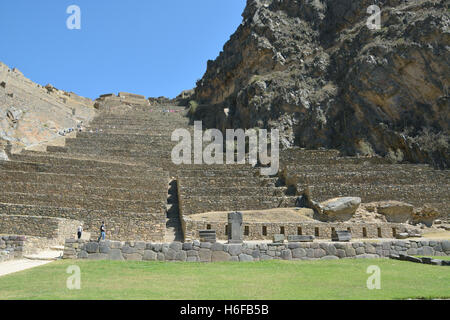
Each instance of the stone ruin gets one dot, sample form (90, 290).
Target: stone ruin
(119, 170)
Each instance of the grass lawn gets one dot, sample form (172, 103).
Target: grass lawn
(336, 279)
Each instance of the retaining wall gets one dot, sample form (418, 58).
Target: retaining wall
(11, 247)
(321, 230)
(207, 252)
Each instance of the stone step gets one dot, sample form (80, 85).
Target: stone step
(219, 182)
(224, 191)
(84, 191)
(197, 204)
(91, 181)
(89, 203)
(377, 177)
(124, 171)
(54, 157)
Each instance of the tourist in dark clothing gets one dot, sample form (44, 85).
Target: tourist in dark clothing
(102, 232)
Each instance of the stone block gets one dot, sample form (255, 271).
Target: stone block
(170, 254)
(278, 238)
(181, 256)
(217, 247)
(235, 249)
(206, 245)
(150, 255)
(133, 257)
(299, 238)
(161, 256)
(340, 253)
(245, 258)
(115, 254)
(319, 253)
(204, 255)
(286, 254)
(329, 258)
(218, 256)
(192, 253)
(92, 247)
(177, 246)
(188, 246)
(342, 236)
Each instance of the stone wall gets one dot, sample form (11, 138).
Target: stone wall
(11, 247)
(197, 251)
(321, 230)
(120, 226)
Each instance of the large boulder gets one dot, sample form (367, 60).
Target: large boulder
(395, 211)
(339, 209)
(426, 215)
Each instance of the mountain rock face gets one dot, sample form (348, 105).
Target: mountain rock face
(315, 71)
(32, 116)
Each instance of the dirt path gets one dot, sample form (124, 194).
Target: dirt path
(13, 266)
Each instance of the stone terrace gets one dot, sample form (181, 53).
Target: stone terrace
(325, 175)
(119, 170)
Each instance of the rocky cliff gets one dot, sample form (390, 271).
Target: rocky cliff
(314, 70)
(32, 116)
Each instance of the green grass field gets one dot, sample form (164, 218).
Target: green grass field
(269, 280)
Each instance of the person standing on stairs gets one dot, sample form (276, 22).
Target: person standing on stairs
(102, 232)
(80, 231)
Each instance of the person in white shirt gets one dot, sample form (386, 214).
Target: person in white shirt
(80, 232)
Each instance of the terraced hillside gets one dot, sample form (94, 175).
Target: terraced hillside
(119, 170)
(324, 174)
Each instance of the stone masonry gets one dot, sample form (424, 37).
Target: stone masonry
(197, 251)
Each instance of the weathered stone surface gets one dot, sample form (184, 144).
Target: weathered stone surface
(92, 247)
(150, 255)
(286, 254)
(177, 246)
(329, 258)
(217, 247)
(276, 54)
(161, 256)
(278, 238)
(342, 236)
(245, 258)
(220, 256)
(395, 211)
(235, 249)
(115, 254)
(340, 209)
(204, 255)
(235, 232)
(181, 256)
(298, 253)
(297, 238)
(133, 256)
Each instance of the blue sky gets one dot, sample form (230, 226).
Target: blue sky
(149, 47)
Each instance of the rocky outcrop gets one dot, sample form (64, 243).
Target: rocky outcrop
(314, 70)
(395, 211)
(340, 209)
(426, 215)
(32, 115)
